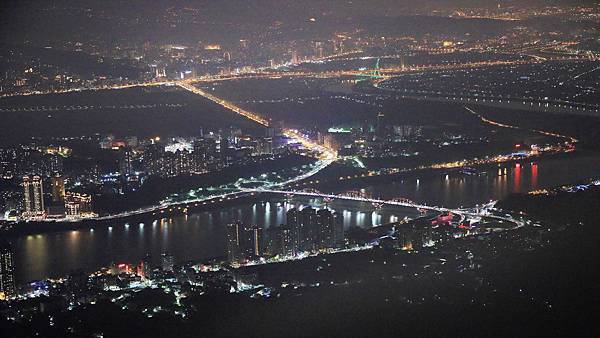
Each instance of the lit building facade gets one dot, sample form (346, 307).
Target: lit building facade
(244, 243)
(33, 197)
(58, 189)
(7, 273)
(78, 205)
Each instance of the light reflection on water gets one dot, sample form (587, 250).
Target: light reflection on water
(456, 189)
(190, 237)
(202, 235)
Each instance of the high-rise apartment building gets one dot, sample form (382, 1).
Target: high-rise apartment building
(233, 241)
(312, 230)
(7, 272)
(326, 226)
(126, 162)
(292, 224)
(58, 189)
(33, 197)
(244, 243)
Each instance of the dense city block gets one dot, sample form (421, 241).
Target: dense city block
(299, 168)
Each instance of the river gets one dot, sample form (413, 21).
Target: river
(200, 236)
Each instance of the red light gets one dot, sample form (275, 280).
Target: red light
(517, 145)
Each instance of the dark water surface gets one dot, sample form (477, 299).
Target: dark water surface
(458, 189)
(201, 235)
(197, 236)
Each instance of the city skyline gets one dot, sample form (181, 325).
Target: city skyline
(299, 168)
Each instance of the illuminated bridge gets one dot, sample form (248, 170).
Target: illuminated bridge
(484, 211)
(357, 198)
(165, 209)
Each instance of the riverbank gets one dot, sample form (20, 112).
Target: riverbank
(26, 228)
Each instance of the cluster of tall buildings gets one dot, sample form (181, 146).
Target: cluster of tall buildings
(306, 230)
(31, 159)
(184, 156)
(40, 172)
(66, 203)
(373, 138)
(63, 203)
(244, 242)
(314, 230)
